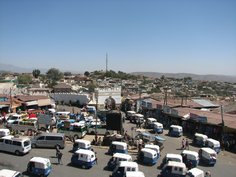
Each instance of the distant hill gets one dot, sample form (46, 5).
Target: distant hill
(12, 68)
(16, 69)
(210, 77)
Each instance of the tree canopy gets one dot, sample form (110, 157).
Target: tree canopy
(86, 73)
(53, 76)
(24, 79)
(36, 73)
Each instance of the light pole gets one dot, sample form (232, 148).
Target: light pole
(223, 123)
(96, 117)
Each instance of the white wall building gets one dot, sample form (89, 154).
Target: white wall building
(73, 97)
(104, 93)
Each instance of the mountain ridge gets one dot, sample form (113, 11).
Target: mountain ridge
(206, 77)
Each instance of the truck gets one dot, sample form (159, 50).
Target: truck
(45, 121)
(25, 125)
(74, 131)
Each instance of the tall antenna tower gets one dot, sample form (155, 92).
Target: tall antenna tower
(106, 62)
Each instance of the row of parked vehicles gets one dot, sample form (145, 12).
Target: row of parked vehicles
(185, 164)
(203, 141)
(20, 145)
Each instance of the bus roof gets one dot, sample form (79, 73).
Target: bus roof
(128, 163)
(147, 150)
(190, 152)
(121, 155)
(8, 173)
(173, 156)
(208, 150)
(196, 171)
(176, 164)
(119, 143)
(213, 141)
(39, 160)
(84, 151)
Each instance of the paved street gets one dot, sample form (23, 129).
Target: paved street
(225, 166)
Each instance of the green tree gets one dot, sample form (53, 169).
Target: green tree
(53, 75)
(24, 79)
(86, 73)
(91, 87)
(36, 73)
(67, 73)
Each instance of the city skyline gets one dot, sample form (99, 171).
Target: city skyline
(183, 36)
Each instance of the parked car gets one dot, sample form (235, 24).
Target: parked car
(10, 173)
(208, 156)
(116, 146)
(200, 139)
(84, 158)
(116, 158)
(16, 145)
(175, 130)
(49, 140)
(148, 156)
(39, 166)
(174, 169)
(123, 167)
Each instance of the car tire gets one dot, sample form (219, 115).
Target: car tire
(17, 152)
(43, 129)
(76, 137)
(33, 145)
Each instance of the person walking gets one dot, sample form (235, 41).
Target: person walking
(187, 144)
(57, 150)
(183, 144)
(59, 157)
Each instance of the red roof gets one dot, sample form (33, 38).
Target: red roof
(212, 117)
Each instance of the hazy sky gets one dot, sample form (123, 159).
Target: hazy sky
(190, 36)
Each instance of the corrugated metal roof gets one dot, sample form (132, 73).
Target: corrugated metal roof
(205, 103)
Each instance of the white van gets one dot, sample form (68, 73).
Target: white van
(16, 145)
(50, 140)
(123, 167)
(195, 172)
(10, 173)
(134, 174)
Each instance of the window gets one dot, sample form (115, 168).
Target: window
(81, 155)
(128, 169)
(18, 175)
(133, 169)
(1, 140)
(26, 143)
(53, 138)
(16, 143)
(8, 141)
(175, 168)
(180, 169)
(15, 122)
(41, 138)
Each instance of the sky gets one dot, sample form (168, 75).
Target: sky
(171, 36)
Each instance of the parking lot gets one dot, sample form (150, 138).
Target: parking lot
(225, 166)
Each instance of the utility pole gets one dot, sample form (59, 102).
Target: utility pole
(165, 96)
(96, 132)
(222, 122)
(10, 100)
(106, 62)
